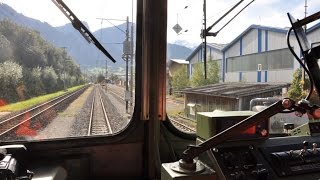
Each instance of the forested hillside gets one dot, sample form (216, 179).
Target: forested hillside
(30, 66)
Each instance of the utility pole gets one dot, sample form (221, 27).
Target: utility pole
(131, 66)
(205, 31)
(127, 61)
(204, 34)
(305, 30)
(127, 52)
(303, 73)
(305, 13)
(132, 56)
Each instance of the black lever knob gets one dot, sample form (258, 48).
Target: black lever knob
(305, 144)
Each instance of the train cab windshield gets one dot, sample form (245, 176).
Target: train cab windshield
(159, 89)
(58, 82)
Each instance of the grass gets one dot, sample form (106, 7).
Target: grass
(34, 101)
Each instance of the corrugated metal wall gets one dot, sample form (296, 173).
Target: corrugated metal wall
(260, 40)
(250, 42)
(212, 53)
(234, 50)
(314, 36)
(205, 103)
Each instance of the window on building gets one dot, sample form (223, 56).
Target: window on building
(271, 60)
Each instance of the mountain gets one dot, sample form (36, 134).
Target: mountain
(76, 46)
(175, 51)
(85, 54)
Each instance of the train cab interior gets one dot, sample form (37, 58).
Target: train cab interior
(227, 144)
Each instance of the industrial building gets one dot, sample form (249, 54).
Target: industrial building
(172, 66)
(258, 54)
(214, 52)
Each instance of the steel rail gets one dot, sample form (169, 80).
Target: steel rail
(116, 94)
(94, 121)
(105, 113)
(9, 124)
(182, 126)
(91, 114)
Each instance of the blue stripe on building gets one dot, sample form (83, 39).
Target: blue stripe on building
(266, 40)
(224, 66)
(240, 76)
(266, 76)
(241, 46)
(259, 40)
(259, 76)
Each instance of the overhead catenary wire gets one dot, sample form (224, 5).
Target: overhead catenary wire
(210, 27)
(233, 17)
(218, 13)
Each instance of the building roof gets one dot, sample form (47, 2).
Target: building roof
(215, 46)
(235, 90)
(179, 61)
(316, 26)
(254, 26)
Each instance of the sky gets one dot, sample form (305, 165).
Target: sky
(190, 18)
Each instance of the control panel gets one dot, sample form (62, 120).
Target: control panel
(294, 159)
(241, 163)
(269, 159)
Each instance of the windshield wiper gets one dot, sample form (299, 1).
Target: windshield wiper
(78, 25)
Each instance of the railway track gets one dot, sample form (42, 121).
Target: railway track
(182, 126)
(99, 121)
(116, 95)
(12, 123)
(176, 122)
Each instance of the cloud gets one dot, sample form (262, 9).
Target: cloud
(89, 11)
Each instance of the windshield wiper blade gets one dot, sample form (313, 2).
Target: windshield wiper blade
(78, 25)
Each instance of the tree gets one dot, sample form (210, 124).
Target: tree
(32, 81)
(197, 78)
(213, 72)
(10, 79)
(49, 79)
(114, 78)
(100, 78)
(180, 79)
(5, 48)
(296, 89)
